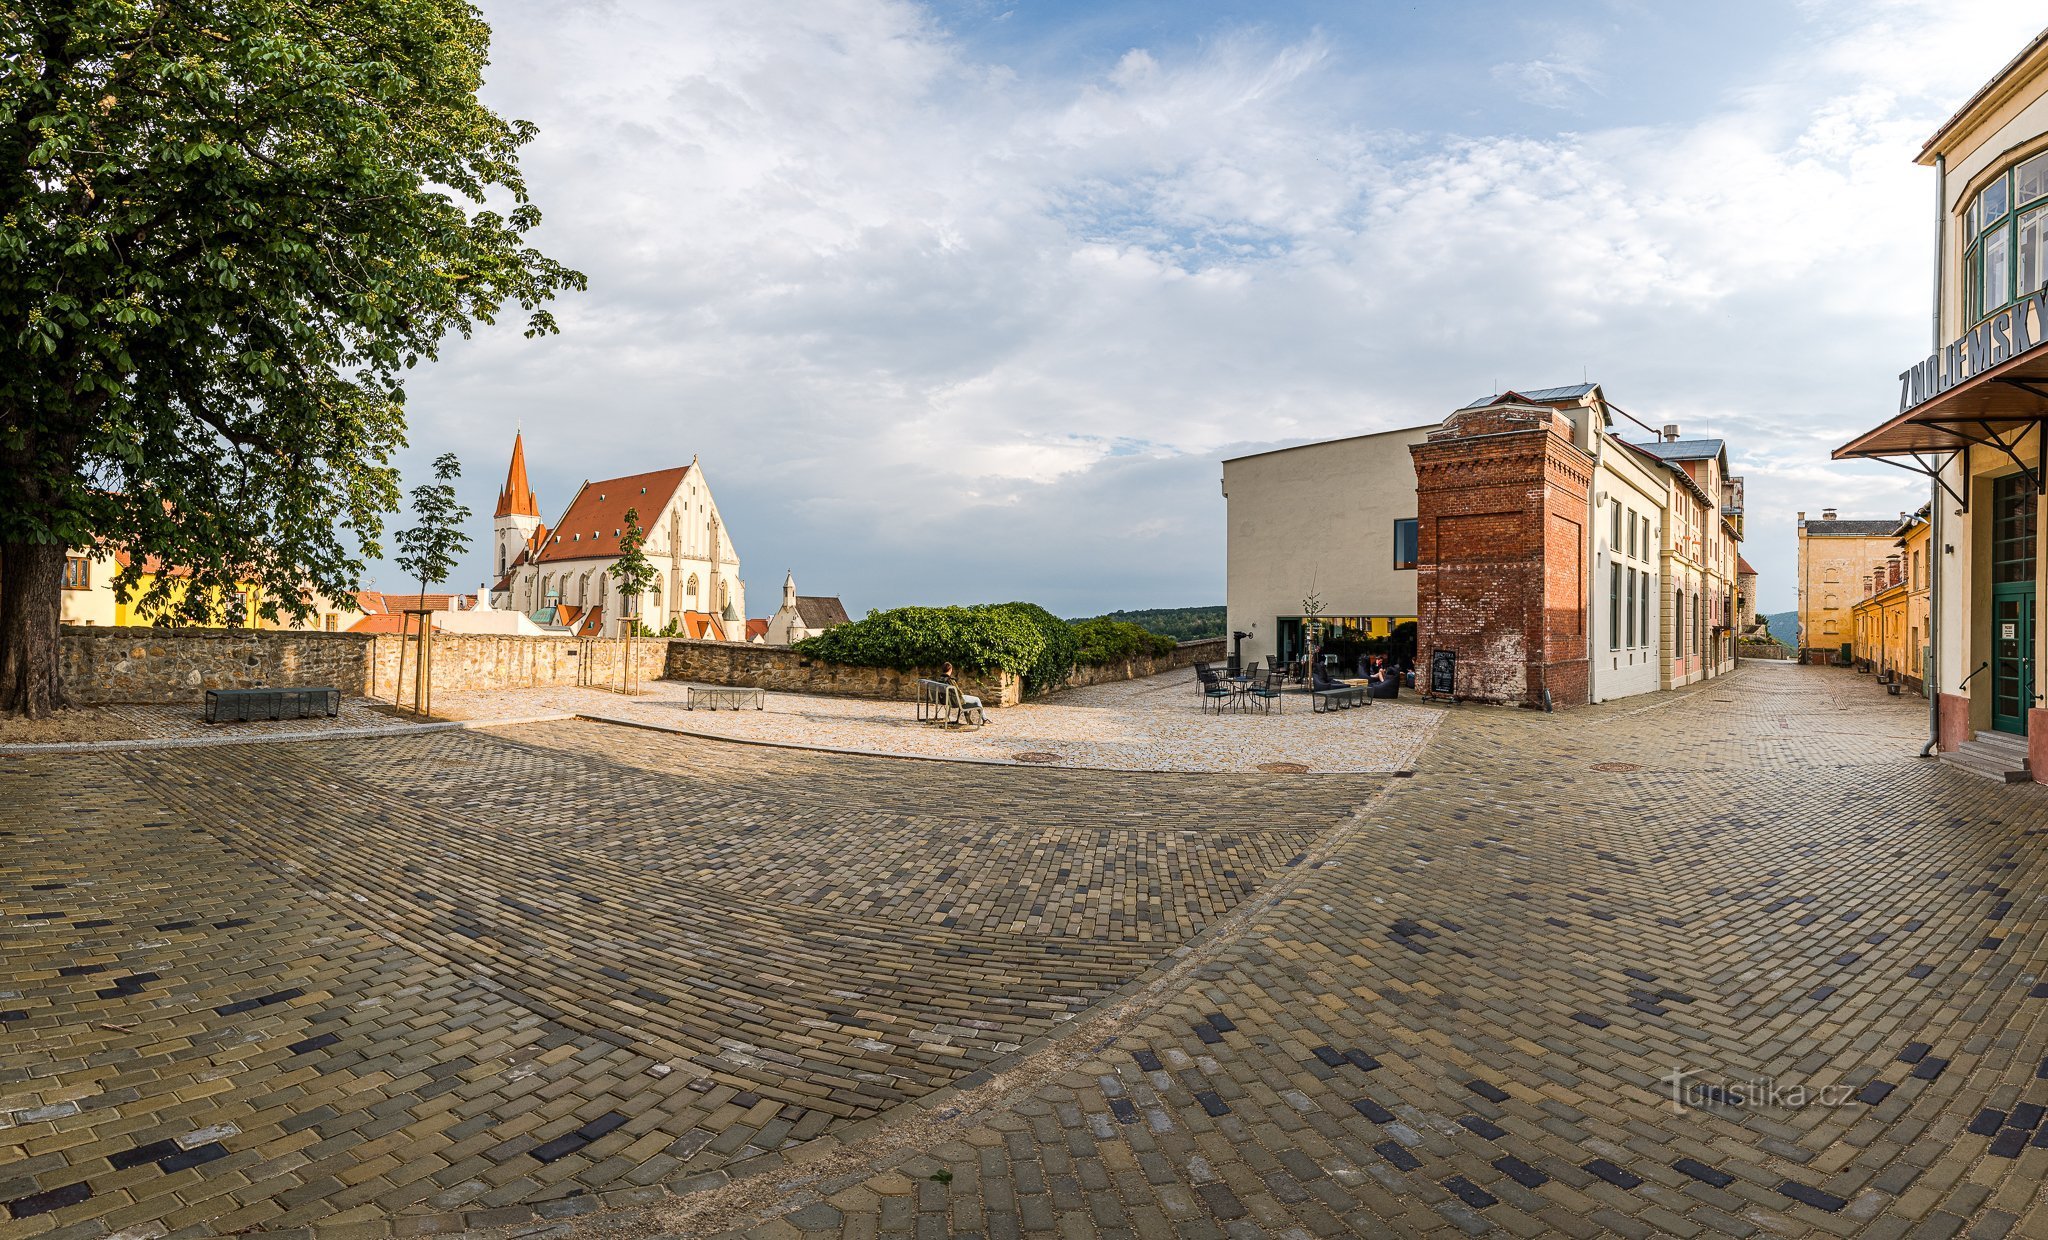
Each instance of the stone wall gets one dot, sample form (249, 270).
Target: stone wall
(510, 661)
(1187, 654)
(101, 665)
(783, 670)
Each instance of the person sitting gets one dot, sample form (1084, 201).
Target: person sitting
(1386, 683)
(969, 704)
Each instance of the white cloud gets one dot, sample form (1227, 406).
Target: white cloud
(942, 331)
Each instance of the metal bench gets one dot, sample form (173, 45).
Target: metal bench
(723, 698)
(242, 705)
(1326, 700)
(944, 704)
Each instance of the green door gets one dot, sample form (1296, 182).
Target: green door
(2013, 507)
(2012, 657)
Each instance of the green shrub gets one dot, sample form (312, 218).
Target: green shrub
(1055, 659)
(978, 638)
(1103, 641)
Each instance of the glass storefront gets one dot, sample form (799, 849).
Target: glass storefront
(1348, 637)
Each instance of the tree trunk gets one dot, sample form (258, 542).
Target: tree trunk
(31, 604)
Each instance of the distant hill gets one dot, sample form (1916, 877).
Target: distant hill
(1182, 624)
(1784, 626)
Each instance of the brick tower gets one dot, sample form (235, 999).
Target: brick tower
(1501, 500)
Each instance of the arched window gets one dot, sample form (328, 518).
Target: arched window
(657, 591)
(724, 595)
(583, 590)
(691, 589)
(1830, 628)
(547, 590)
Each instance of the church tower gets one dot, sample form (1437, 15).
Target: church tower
(517, 520)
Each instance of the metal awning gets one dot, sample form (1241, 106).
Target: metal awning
(1996, 410)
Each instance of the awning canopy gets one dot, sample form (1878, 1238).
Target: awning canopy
(1995, 410)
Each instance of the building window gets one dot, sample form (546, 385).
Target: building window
(77, 573)
(1631, 535)
(1614, 607)
(691, 589)
(333, 622)
(1648, 546)
(1614, 534)
(2006, 245)
(1631, 606)
(1678, 624)
(1407, 540)
(1649, 592)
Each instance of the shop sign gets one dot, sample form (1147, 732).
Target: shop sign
(1997, 340)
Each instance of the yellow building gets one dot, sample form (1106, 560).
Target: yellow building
(89, 598)
(1837, 560)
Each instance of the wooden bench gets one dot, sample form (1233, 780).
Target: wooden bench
(723, 698)
(242, 705)
(944, 704)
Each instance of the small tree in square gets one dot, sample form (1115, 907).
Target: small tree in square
(635, 577)
(428, 552)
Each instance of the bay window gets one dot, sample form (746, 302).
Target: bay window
(2006, 243)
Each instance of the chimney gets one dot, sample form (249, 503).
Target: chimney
(1827, 514)
(1671, 432)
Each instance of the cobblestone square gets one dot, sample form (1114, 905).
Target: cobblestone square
(627, 982)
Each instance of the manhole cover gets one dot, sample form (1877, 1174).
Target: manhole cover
(1039, 758)
(1616, 766)
(1283, 768)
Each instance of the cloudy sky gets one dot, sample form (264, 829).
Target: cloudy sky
(965, 300)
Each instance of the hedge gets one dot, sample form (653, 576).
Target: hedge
(1023, 639)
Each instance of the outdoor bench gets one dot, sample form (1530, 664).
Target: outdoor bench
(723, 698)
(241, 705)
(944, 704)
(1326, 700)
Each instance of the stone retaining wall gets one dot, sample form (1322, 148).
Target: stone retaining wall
(104, 665)
(510, 661)
(1187, 654)
(783, 670)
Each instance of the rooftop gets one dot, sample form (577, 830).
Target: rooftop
(1850, 528)
(1537, 396)
(1683, 449)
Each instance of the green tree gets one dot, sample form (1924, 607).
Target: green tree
(227, 228)
(635, 577)
(428, 550)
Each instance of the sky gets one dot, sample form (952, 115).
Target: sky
(966, 301)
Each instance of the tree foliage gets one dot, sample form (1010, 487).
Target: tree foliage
(1102, 641)
(632, 572)
(1182, 624)
(227, 229)
(428, 551)
(1021, 638)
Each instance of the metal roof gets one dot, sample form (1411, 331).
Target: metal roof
(1538, 396)
(1858, 527)
(1683, 449)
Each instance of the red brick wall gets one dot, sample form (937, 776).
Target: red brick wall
(1501, 503)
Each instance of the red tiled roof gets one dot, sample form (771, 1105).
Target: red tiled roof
(377, 602)
(1742, 566)
(516, 498)
(757, 628)
(702, 624)
(590, 529)
(385, 622)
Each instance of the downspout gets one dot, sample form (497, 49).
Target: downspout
(1934, 520)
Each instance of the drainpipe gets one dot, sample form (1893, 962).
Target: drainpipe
(1934, 497)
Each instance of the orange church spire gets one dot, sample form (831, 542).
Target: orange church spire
(517, 498)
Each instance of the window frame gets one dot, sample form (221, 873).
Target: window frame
(1414, 525)
(83, 573)
(1613, 605)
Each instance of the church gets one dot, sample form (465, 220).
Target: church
(560, 576)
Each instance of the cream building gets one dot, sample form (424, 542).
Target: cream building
(1333, 519)
(1339, 518)
(802, 615)
(1836, 558)
(1970, 414)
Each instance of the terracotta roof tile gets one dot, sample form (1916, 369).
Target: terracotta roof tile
(590, 529)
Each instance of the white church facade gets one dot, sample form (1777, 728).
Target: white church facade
(560, 577)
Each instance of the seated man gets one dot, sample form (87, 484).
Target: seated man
(1385, 684)
(970, 705)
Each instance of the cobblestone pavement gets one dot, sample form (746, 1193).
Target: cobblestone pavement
(464, 978)
(1154, 724)
(420, 984)
(1462, 1018)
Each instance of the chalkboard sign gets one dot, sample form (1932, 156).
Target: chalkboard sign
(1443, 672)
